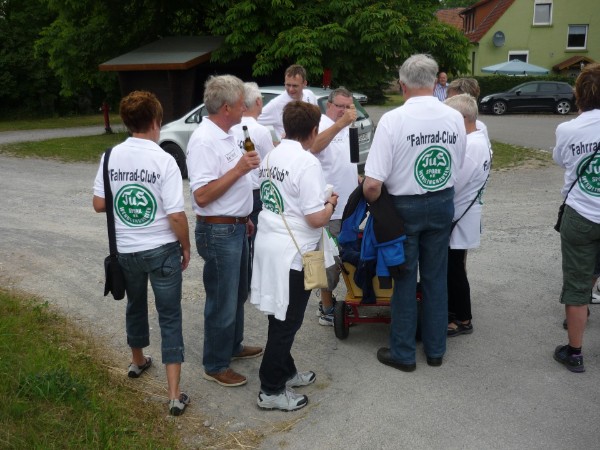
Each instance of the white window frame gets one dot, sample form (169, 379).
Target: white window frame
(587, 29)
(543, 2)
(518, 52)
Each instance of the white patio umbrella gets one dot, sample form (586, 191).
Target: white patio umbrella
(515, 67)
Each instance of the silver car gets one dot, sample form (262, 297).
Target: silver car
(175, 135)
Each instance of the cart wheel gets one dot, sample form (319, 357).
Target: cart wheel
(340, 326)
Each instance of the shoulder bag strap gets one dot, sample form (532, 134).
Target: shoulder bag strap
(279, 206)
(454, 222)
(108, 201)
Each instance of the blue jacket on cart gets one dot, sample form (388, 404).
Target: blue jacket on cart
(379, 248)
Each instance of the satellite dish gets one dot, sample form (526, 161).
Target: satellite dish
(498, 39)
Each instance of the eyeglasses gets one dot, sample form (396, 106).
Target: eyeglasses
(342, 106)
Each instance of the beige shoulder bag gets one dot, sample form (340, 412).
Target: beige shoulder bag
(313, 262)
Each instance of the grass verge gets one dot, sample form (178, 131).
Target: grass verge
(89, 149)
(71, 149)
(58, 122)
(60, 390)
(507, 156)
(57, 392)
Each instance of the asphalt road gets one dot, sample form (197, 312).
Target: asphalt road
(498, 388)
(526, 130)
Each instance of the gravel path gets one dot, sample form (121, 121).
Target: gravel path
(498, 388)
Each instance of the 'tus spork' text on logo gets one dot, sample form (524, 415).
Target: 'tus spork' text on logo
(135, 205)
(589, 181)
(433, 168)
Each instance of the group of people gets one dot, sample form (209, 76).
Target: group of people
(229, 187)
(434, 159)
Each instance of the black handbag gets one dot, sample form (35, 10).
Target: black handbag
(561, 208)
(114, 277)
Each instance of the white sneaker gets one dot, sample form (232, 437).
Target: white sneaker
(595, 295)
(288, 400)
(301, 379)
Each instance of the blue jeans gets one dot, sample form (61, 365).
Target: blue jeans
(427, 220)
(224, 249)
(163, 266)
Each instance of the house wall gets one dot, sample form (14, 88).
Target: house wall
(547, 44)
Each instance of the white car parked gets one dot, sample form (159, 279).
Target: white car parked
(175, 135)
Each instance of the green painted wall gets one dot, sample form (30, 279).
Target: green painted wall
(546, 44)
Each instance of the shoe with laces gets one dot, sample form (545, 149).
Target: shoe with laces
(326, 318)
(288, 400)
(301, 379)
(134, 371)
(177, 405)
(572, 362)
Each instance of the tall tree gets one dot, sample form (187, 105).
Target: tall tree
(362, 42)
(88, 32)
(26, 82)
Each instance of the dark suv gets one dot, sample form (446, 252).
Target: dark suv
(532, 96)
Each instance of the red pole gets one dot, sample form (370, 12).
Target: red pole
(105, 109)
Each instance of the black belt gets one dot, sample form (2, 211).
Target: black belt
(222, 219)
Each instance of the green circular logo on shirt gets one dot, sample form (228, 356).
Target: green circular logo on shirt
(135, 205)
(270, 197)
(433, 168)
(589, 181)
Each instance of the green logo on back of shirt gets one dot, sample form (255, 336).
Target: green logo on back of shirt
(589, 181)
(270, 197)
(135, 205)
(433, 168)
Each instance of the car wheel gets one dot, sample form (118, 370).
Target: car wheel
(175, 151)
(499, 107)
(563, 107)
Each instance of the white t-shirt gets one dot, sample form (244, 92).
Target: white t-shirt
(272, 113)
(260, 136)
(576, 141)
(469, 180)
(418, 147)
(146, 185)
(298, 187)
(337, 168)
(482, 127)
(211, 153)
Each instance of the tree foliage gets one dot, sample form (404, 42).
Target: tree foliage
(26, 82)
(457, 3)
(362, 42)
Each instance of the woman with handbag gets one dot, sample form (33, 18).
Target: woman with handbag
(576, 150)
(152, 235)
(295, 209)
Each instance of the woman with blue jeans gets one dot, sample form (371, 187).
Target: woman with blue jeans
(152, 236)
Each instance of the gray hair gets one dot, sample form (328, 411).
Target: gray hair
(339, 91)
(464, 86)
(464, 104)
(220, 90)
(251, 93)
(419, 71)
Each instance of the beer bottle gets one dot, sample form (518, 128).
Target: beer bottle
(248, 144)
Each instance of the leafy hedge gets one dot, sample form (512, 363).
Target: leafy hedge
(500, 83)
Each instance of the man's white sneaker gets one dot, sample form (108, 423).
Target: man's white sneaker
(288, 400)
(595, 295)
(301, 379)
